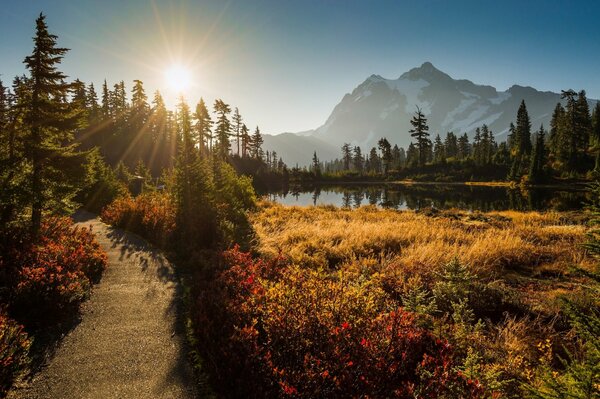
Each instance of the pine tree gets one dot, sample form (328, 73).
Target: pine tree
(374, 161)
(538, 157)
(595, 137)
(316, 165)
(237, 128)
(194, 188)
(523, 130)
(203, 127)
(386, 154)
(439, 152)
(358, 160)
(222, 130)
(420, 132)
(256, 145)
(346, 156)
(106, 114)
(464, 148)
(451, 145)
(91, 103)
(246, 141)
(50, 122)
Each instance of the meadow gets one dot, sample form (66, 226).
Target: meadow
(313, 312)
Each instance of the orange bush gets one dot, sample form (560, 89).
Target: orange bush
(151, 215)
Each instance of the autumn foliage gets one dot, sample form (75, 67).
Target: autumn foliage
(271, 330)
(46, 278)
(14, 346)
(151, 215)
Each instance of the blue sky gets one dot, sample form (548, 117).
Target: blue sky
(286, 64)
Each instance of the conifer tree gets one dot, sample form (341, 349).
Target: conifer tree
(523, 130)
(420, 132)
(464, 148)
(49, 124)
(203, 127)
(246, 141)
(346, 155)
(538, 157)
(316, 165)
(237, 128)
(256, 144)
(358, 160)
(386, 154)
(222, 130)
(439, 153)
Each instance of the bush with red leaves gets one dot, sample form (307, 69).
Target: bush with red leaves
(14, 348)
(151, 215)
(46, 279)
(269, 329)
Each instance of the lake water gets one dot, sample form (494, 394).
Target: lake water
(441, 196)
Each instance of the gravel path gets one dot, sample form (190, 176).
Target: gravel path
(130, 341)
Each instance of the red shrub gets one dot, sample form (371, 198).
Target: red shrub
(272, 331)
(151, 215)
(14, 347)
(48, 276)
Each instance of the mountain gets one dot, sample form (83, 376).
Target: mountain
(381, 107)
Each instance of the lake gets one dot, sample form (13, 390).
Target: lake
(441, 196)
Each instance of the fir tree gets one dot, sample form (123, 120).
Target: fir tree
(346, 155)
(420, 132)
(358, 160)
(50, 122)
(237, 128)
(203, 127)
(256, 144)
(246, 141)
(386, 154)
(222, 130)
(538, 157)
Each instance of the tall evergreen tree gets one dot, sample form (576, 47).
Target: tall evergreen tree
(256, 144)
(237, 128)
(523, 130)
(346, 155)
(538, 157)
(50, 122)
(246, 141)
(222, 130)
(420, 132)
(358, 160)
(386, 154)
(203, 127)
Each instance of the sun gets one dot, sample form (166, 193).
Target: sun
(178, 78)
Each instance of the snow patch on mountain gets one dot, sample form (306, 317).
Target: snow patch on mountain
(502, 96)
(412, 90)
(462, 107)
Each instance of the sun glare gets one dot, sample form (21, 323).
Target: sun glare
(178, 78)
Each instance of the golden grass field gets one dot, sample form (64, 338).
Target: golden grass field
(530, 251)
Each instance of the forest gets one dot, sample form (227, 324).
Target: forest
(298, 302)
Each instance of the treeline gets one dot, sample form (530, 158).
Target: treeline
(570, 149)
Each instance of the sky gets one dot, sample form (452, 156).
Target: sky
(286, 64)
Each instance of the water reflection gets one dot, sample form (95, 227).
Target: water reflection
(438, 196)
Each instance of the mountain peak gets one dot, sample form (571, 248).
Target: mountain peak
(426, 72)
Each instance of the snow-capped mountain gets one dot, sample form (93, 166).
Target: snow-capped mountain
(381, 107)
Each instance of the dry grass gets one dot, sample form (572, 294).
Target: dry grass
(491, 243)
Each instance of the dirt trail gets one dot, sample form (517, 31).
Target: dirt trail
(130, 342)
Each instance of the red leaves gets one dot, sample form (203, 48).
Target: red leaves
(51, 274)
(151, 215)
(14, 346)
(268, 326)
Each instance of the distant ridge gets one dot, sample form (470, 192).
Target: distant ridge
(380, 107)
